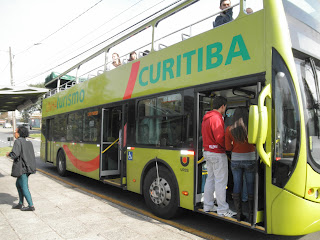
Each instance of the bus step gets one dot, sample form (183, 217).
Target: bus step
(259, 228)
(115, 181)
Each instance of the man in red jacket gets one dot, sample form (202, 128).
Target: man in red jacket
(216, 159)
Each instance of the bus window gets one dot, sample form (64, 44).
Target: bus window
(74, 127)
(309, 93)
(59, 128)
(252, 6)
(287, 122)
(161, 122)
(91, 125)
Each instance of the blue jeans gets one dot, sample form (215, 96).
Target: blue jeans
(247, 168)
(23, 189)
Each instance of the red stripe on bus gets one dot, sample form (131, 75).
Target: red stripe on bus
(132, 80)
(88, 166)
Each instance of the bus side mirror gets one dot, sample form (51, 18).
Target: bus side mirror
(253, 124)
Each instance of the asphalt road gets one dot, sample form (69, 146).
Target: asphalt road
(190, 220)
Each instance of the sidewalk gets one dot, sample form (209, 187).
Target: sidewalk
(64, 212)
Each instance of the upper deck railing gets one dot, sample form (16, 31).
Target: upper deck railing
(155, 44)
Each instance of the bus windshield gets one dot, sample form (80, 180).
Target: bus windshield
(307, 11)
(310, 91)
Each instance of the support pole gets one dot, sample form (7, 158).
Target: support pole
(12, 84)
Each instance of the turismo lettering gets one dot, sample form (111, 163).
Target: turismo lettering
(71, 99)
(214, 59)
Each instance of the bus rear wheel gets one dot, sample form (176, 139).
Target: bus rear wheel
(61, 164)
(161, 195)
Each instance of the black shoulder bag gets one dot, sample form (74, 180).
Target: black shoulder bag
(16, 166)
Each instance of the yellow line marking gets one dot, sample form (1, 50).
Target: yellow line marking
(135, 209)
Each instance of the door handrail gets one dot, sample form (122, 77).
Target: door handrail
(110, 146)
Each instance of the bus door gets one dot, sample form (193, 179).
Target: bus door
(203, 104)
(49, 141)
(111, 139)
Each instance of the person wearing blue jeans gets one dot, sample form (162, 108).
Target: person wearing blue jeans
(243, 161)
(23, 151)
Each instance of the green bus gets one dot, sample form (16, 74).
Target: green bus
(137, 126)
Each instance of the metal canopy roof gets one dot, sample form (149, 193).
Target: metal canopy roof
(12, 98)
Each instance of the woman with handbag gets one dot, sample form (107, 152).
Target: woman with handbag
(24, 164)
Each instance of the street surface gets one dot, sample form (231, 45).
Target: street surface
(188, 220)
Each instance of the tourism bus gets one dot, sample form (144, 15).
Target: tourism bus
(138, 126)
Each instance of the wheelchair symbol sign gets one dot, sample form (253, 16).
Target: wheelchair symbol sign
(130, 155)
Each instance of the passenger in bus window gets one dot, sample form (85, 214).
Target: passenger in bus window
(115, 61)
(249, 10)
(242, 159)
(132, 56)
(225, 16)
(215, 156)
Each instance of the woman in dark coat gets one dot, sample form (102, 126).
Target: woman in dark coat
(23, 148)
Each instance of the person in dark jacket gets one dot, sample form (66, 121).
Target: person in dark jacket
(213, 136)
(225, 16)
(23, 148)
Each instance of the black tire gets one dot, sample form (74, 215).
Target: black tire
(163, 204)
(61, 164)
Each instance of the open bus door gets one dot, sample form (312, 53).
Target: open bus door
(113, 144)
(236, 96)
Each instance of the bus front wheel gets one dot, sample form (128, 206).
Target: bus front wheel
(61, 164)
(161, 195)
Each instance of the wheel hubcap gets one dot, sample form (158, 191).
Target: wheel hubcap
(160, 192)
(60, 164)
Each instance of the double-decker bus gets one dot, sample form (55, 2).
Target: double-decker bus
(137, 126)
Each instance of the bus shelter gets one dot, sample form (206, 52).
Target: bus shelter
(18, 98)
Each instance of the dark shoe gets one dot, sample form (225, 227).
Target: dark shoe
(237, 204)
(18, 206)
(251, 202)
(28, 208)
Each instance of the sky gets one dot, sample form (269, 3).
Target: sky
(29, 27)
(43, 34)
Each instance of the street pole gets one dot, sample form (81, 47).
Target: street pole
(12, 84)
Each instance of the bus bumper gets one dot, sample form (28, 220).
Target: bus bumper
(293, 215)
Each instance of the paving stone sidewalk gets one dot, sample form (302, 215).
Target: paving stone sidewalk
(64, 212)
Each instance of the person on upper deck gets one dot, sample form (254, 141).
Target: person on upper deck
(225, 16)
(132, 56)
(115, 61)
(249, 10)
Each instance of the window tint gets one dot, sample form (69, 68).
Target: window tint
(74, 127)
(60, 123)
(161, 122)
(312, 112)
(91, 125)
(287, 123)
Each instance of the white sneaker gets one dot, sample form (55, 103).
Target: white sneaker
(213, 209)
(228, 213)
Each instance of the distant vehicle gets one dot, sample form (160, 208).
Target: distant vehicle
(7, 125)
